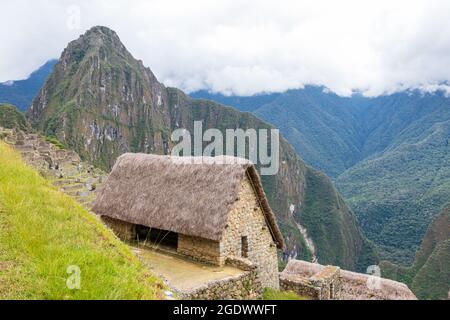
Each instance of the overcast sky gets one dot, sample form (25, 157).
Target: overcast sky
(246, 47)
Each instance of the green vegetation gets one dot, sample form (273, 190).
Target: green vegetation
(330, 223)
(333, 227)
(11, 118)
(44, 232)
(272, 294)
(389, 155)
(397, 193)
(55, 142)
(429, 276)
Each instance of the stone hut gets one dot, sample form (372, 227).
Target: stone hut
(211, 209)
(329, 282)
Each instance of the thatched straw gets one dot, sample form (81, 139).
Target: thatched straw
(179, 194)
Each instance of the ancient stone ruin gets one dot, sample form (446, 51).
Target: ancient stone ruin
(62, 167)
(328, 282)
(215, 213)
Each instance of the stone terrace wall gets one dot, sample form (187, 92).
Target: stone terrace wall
(243, 287)
(357, 286)
(123, 230)
(352, 286)
(62, 167)
(324, 285)
(300, 286)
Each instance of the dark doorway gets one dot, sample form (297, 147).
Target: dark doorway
(158, 238)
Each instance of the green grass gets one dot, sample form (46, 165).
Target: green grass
(272, 294)
(55, 142)
(43, 232)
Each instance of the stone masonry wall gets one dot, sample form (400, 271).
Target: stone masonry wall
(123, 230)
(243, 287)
(199, 249)
(247, 219)
(324, 285)
(328, 279)
(301, 287)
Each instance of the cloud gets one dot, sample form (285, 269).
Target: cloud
(246, 47)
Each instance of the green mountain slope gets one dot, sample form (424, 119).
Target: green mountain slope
(389, 155)
(21, 92)
(429, 276)
(46, 237)
(102, 102)
(397, 193)
(322, 127)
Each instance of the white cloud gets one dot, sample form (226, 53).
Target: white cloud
(245, 47)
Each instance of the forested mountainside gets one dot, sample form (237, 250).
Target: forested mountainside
(11, 118)
(429, 276)
(102, 102)
(21, 92)
(389, 155)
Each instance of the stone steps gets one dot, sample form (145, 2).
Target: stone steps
(62, 183)
(24, 148)
(74, 187)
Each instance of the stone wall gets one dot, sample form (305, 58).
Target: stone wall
(329, 282)
(302, 287)
(324, 285)
(357, 286)
(199, 249)
(243, 287)
(123, 230)
(246, 219)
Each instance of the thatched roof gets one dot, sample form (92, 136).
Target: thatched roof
(180, 194)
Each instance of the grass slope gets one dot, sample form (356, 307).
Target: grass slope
(43, 232)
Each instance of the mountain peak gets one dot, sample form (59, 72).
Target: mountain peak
(96, 39)
(101, 32)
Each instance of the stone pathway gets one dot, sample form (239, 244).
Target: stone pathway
(63, 168)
